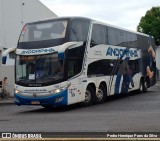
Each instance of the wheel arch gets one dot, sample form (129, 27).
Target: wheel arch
(90, 83)
(104, 84)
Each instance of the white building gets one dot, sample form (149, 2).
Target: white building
(13, 15)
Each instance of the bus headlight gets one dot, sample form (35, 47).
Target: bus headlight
(17, 91)
(59, 90)
(55, 91)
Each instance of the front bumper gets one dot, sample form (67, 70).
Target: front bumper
(54, 100)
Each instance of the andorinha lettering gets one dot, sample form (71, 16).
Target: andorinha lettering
(121, 52)
(34, 51)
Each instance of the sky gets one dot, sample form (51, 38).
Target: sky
(121, 13)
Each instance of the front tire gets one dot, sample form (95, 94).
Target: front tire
(145, 87)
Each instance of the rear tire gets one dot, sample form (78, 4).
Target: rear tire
(100, 95)
(143, 86)
(89, 96)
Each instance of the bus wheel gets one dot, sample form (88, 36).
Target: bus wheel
(143, 86)
(89, 94)
(100, 95)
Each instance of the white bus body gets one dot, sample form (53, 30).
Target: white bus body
(95, 60)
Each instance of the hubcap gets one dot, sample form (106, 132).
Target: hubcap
(87, 96)
(99, 94)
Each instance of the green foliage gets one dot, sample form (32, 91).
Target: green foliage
(150, 24)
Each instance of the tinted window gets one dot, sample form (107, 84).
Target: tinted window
(43, 31)
(132, 40)
(79, 30)
(74, 67)
(110, 67)
(74, 58)
(112, 36)
(40, 70)
(143, 42)
(117, 37)
(98, 34)
(95, 68)
(121, 38)
(100, 67)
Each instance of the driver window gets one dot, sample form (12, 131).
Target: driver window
(71, 68)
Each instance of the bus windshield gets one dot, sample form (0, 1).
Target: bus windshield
(43, 31)
(41, 69)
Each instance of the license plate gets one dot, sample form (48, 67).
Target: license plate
(35, 102)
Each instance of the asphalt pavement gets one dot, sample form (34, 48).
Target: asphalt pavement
(125, 113)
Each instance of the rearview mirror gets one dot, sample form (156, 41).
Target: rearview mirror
(4, 59)
(5, 53)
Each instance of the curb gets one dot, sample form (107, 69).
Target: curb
(6, 101)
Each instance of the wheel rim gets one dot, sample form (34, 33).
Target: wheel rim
(100, 94)
(87, 96)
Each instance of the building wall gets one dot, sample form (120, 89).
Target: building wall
(14, 14)
(7, 71)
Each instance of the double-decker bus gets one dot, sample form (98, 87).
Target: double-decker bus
(63, 61)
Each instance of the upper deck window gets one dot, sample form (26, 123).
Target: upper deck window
(53, 32)
(43, 31)
(79, 30)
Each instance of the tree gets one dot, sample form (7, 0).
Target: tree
(150, 24)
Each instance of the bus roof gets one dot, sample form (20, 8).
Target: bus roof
(94, 21)
(58, 18)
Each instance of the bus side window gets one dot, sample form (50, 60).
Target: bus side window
(98, 35)
(79, 30)
(96, 68)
